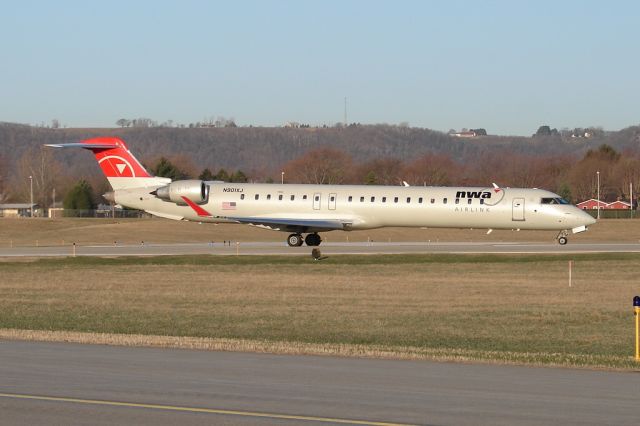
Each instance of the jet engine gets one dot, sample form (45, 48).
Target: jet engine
(194, 190)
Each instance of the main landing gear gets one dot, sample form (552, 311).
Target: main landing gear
(296, 240)
(562, 237)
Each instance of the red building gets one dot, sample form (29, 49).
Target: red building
(620, 205)
(592, 204)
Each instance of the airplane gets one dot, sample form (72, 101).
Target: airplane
(311, 209)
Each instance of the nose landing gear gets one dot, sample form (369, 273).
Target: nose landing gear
(562, 237)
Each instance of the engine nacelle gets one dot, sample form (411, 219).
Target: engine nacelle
(194, 190)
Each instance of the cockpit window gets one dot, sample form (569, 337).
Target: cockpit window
(556, 200)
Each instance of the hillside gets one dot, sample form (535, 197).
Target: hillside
(380, 154)
(262, 151)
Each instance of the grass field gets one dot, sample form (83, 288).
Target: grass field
(31, 232)
(485, 308)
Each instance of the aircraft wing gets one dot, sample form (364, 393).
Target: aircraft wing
(302, 225)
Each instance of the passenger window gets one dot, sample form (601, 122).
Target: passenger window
(333, 198)
(280, 197)
(433, 200)
(469, 200)
(408, 200)
(268, 196)
(362, 199)
(444, 201)
(457, 200)
(395, 199)
(242, 196)
(293, 197)
(373, 199)
(384, 199)
(481, 200)
(304, 197)
(257, 196)
(420, 200)
(317, 198)
(350, 198)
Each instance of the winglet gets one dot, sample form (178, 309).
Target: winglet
(496, 188)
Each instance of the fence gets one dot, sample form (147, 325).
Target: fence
(614, 213)
(115, 213)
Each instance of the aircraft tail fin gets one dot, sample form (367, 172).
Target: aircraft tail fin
(120, 167)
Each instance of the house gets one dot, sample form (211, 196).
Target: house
(592, 204)
(18, 210)
(619, 205)
(464, 134)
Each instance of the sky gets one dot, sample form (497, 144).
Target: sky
(506, 66)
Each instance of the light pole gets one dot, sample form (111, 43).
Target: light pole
(31, 192)
(282, 178)
(598, 174)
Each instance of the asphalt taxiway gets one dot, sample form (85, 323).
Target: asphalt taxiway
(61, 383)
(270, 248)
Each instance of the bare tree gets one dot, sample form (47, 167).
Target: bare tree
(380, 171)
(431, 169)
(320, 166)
(39, 163)
(4, 186)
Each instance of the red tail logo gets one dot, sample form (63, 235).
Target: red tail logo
(114, 157)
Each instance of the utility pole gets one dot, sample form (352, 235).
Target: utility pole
(53, 202)
(631, 197)
(598, 174)
(345, 111)
(31, 192)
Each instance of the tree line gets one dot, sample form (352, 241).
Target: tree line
(575, 180)
(364, 154)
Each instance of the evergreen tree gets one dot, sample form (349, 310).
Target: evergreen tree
(222, 175)
(239, 177)
(371, 178)
(79, 198)
(206, 175)
(165, 168)
(565, 192)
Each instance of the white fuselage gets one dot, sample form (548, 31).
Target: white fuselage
(368, 206)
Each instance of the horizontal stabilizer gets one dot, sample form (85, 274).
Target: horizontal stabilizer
(82, 145)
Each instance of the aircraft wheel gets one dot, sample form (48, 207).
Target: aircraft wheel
(295, 240)
(313, 240)
(562, 240)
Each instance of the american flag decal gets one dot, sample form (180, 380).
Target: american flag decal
(228, 205)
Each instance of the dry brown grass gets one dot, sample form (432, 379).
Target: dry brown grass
(510, 311)
(29, 232)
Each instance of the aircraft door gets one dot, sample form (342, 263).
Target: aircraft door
(332, 201)
(518, 209)
(316, 201)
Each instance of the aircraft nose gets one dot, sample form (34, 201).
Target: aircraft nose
(585, 218)
(591, 220)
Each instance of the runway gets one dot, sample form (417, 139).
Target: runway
(58, 383)
(270, 248)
